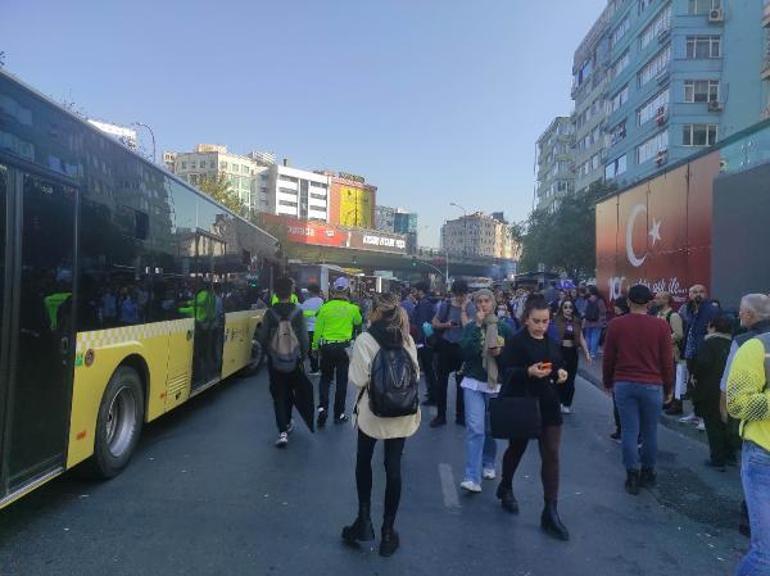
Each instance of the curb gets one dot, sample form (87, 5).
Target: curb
(670, 422)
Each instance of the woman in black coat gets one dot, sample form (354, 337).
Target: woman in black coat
(532, 364)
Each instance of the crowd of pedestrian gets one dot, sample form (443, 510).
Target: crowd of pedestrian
(509, 352)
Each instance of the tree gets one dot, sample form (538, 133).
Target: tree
(220, 190)
(563, 239)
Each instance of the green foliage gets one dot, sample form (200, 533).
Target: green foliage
(219, 189)
(563, 239)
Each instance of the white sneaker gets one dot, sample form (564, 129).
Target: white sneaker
(566, 409)
(489, 474)
(689, 419)
(470, 486)
(701, 426)
(283, 440)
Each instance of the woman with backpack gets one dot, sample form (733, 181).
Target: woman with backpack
(385, 370)
(482, 342)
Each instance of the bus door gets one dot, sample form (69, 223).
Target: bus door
(38, 329)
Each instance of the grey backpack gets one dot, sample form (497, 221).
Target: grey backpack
(285, 352)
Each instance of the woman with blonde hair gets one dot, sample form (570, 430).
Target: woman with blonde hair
(388, 332)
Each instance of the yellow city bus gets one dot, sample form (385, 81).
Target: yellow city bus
(123, 293)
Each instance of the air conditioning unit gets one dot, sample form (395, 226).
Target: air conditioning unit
(716, 15)
(660, 116)
(715, 106)
(661, 158)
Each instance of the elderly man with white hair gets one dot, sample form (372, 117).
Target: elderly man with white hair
(748, 400)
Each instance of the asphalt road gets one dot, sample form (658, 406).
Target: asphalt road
(207, 493)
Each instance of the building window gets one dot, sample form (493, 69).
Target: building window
(620, 31)
(213, 164)
(620, 65)
(650, 149)
(661, 23)
(223, 165)
(193, 165)
(703, 6)
(287, 204)
(184, 165)
(701, 91)
(618, 100)
(699, 135)
(615, 168)
(653, 107)
(655, 66)
(618, 133)
(699, 47)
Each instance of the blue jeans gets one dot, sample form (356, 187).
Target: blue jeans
(480, 447)
(755, 474)
(639, 406)
(593, 335)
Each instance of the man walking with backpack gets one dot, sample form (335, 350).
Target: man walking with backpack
(334, 327)
(284, 335)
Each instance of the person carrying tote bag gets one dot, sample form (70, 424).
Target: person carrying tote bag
(532, 366)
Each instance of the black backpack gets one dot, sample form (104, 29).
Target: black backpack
(392, 388)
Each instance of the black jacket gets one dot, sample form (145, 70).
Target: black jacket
(708, 366)
(522, 351)
(280, 312)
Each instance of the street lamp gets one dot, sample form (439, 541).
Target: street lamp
(152, 135)
(465, 222)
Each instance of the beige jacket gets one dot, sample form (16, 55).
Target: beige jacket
(364, 351)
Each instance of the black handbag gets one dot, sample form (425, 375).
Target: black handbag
(515, 417)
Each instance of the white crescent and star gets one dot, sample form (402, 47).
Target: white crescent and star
(654, 235)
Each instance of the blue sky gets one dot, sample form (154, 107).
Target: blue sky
(433, 101)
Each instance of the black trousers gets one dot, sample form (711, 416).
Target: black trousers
(313, 355)
(549, 443)
(426, 357)
(334, 361)
(567, 390)
(723, 443)
(282, 390)
(394, 448)
(449, 360)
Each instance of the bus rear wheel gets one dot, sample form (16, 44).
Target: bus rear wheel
(119, 423)
(257, 357)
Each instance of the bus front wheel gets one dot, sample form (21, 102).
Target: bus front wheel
(119, 422)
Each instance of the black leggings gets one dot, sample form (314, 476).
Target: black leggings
(549, 441)
(393, 450)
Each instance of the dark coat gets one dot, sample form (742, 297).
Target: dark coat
(708, 366)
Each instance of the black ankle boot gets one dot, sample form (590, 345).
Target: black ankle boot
(390, 541)
(551, 523)
(507, 499)
(361, 530)
(648, 478)
(632, 482)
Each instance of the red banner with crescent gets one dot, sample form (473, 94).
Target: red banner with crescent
(659, 232)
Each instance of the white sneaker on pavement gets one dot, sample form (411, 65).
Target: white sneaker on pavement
(701, 426)
(489, 474)
(689, 419)
(283, 440)
(470, 486)
(566, 409)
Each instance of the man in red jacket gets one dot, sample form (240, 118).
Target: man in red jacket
(638, 368)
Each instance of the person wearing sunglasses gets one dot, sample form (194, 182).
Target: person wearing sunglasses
(568, 327)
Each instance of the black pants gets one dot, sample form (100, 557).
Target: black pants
(449, 360)
(334, 359)
(567, 390)
(549, 441)
(426, 358)
(393, 450)
(282, 390)
(313, 354)
(722, 442)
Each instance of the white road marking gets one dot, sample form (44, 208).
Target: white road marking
(448, 486)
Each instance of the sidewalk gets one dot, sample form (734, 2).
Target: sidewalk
(593, 374)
